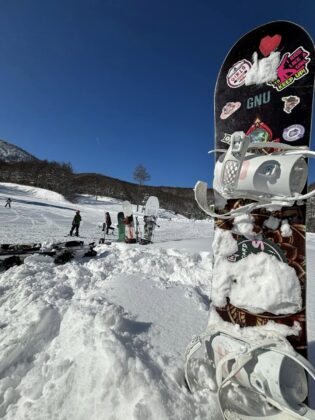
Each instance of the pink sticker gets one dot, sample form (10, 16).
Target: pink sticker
(228, 109)
(293, 66)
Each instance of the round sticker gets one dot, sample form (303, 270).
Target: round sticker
(293, 132)
(237, 73)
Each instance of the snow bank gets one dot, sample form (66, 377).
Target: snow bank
(103, 338)
(274, 283)
(28, 191)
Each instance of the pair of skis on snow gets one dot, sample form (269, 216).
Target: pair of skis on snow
(256, 359)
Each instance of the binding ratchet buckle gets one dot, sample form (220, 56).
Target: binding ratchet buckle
(246, 171)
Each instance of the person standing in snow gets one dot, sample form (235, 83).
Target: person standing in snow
(108, 222)
(76, 223)
(8, 202)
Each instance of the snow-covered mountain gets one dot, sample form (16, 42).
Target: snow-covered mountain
(11, 153)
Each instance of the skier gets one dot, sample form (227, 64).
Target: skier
(108, 222)
(76, 223)
(8, 202)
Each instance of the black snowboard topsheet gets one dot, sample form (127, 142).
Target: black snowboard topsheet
(278, 110)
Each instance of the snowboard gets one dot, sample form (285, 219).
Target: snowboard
(265, 89)
(150, 216)
(128, 212)
(263, 111)
(152, 206)
(121, 226)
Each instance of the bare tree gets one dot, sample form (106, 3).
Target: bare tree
(140, 174)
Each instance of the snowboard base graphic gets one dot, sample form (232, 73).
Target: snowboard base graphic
(263, 111)
(265, 89)
(149, 218)
(128, 212)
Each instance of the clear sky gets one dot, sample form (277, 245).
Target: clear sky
(108, 84)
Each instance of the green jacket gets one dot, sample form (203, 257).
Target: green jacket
(76, 219)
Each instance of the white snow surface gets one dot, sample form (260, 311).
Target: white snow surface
(104, 338)
(243, 225)
(272, 223)
(262, 275)
(263, 70)
(285, 229)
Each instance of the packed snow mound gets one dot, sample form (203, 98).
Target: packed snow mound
(103, 338)
(11, 153)
(254, 275)
(12, 189)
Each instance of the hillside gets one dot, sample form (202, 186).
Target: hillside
(11, 153)
(59, 177)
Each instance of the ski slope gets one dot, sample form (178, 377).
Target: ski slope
(104, 338)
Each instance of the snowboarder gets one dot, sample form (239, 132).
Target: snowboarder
(108, 222)
(8, 202)
(76, 223)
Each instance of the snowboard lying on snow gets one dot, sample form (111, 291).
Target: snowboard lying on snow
(255, 346)
(62, 252)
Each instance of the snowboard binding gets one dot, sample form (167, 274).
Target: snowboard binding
(266, 375)
(245, 171)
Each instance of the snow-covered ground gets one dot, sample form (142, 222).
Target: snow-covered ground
(39, 215)
(103, 338)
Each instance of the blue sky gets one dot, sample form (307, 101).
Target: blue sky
(108, 84)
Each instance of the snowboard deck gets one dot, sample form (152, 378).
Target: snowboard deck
(278, 110)
(128, 212)
(127, 208)
(121, 226)
(152, 206)
(150, 216)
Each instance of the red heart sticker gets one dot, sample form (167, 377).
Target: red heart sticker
(269, 44)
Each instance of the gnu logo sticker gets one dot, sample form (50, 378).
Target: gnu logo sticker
(293, 66)
(290, 102)
(237, 73)
(258, 100)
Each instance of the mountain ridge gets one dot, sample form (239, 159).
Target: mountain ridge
(9, 152)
